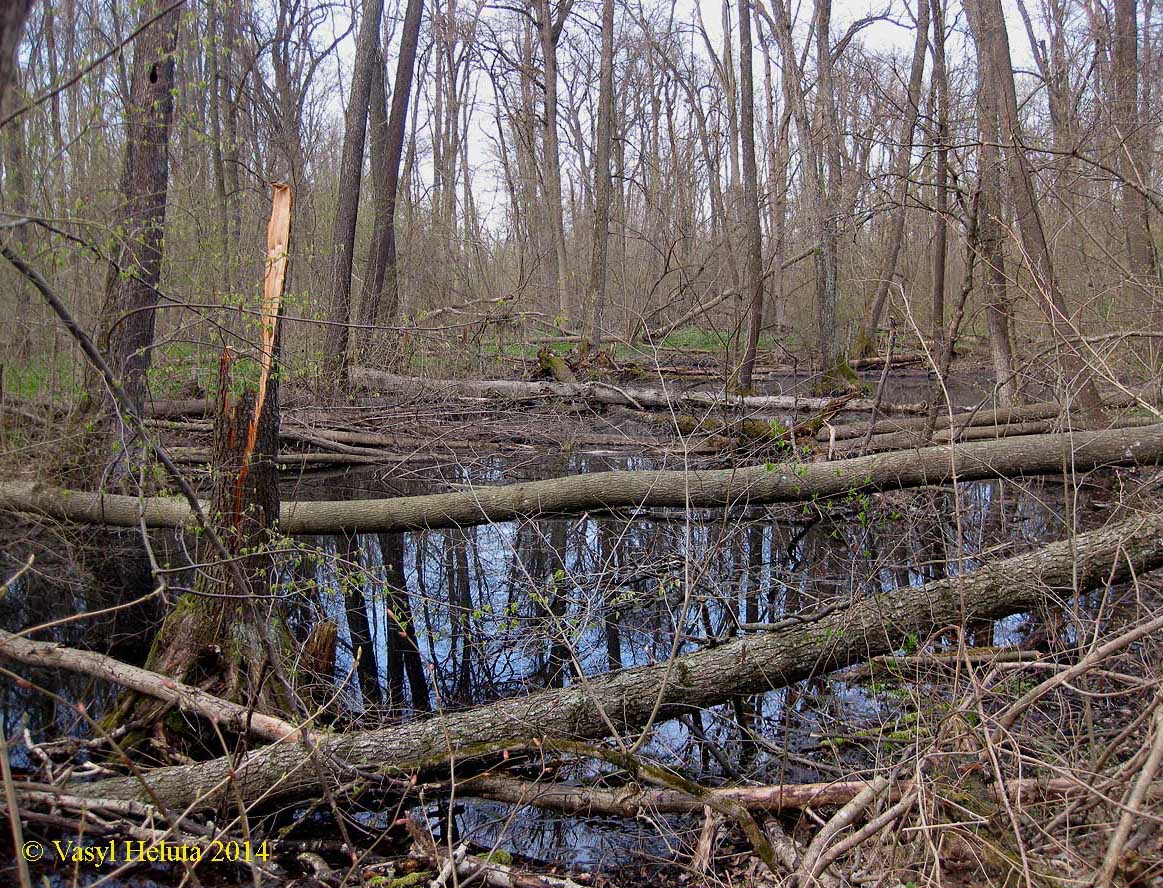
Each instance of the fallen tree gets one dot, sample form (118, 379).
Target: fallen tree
(1000, 418)
(241, 719)
(624, 701)
(604, 393)
(598, 491)
(628, 800)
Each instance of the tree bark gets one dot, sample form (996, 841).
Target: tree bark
(987, 23)
(735, 488)
(126, 325)
(902, 160)
(753, 247)
(1132, 138)
(753, 664)
(990, 242)
(12, 18)
(629, 800)
(380, 300)
(941, 138)
(240, 719)
(602, 393)
(549, 28)
(603, 187)
(336, 336)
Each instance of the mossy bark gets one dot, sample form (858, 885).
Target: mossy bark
(838, 379)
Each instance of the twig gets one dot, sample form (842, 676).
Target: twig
(812, 866)
(1134, 803)
(13, 813)
(879, 389)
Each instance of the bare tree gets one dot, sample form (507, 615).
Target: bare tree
(941, 139)
(381, 294)
(602, 184)
(549, 25)
(902, 159)
(991, 244)
(988, 25)
(1130, 132)
(350, 176)
(126, 325)
(12, 18)
(753, 249)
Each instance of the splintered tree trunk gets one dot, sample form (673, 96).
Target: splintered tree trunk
(126, 325)
(209, 632)
(216, 637)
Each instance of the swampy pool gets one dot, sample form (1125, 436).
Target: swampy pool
(448, 619)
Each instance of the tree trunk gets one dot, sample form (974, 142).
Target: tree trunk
(126, 325)
(991, 245)
(12, 18)
(350, 176)
(602, 184)
(1132, 136)
(549, 28)
(215, 638)
(381, 292)
(988, 25)
(753, 664)
(941, 138)
(753, 246)
(902, 160)
(736, 488)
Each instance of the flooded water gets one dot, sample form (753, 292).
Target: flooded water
(451, 618)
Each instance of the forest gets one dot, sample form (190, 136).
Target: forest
(581, 444)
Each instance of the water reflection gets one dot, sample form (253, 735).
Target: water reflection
(450, 618)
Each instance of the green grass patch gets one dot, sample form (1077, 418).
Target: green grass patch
(36, 378)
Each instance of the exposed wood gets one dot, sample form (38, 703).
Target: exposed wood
(754, 664)
(211, 637)
(736, 488)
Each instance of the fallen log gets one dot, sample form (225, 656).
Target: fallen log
(996, 418)
(603, 393)
(241, 719)
(598, 491)
(627, 699)
(905, 440)
(627, 801)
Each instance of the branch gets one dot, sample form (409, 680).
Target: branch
(186, 697)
